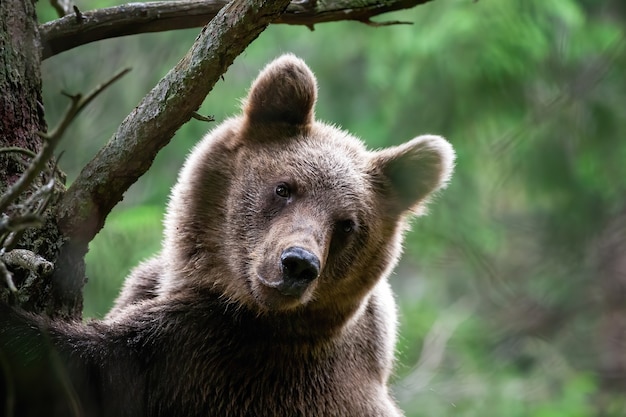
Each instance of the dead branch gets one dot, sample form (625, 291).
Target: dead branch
(386, 23)
(28, 260)
(78, 103)
(28, 214)
(51, 139)
(202, 118)
(129, 19)
(17, 223)
(78, 15)
(17, 149)
(36, 166)
(130, 152)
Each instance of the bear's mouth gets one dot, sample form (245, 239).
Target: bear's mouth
(279, 294)
(289, 289)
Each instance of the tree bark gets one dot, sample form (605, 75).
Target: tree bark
(21, 115)
(21, 118)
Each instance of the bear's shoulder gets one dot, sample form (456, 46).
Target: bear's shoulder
(257, 362)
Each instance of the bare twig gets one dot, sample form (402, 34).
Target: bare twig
(28, 176)
(78, 103)
(133, 18)
(79, 15)
(50, 141)
(387, 23)
(31, 215)
(202, 118)
(17, 149)
(14, 224)
(130, 152)
(38, 201)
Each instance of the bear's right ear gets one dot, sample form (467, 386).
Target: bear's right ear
(407, 175)
(284, 92)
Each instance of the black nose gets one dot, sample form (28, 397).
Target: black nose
(300, 267)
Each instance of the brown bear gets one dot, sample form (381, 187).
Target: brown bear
(270, 294)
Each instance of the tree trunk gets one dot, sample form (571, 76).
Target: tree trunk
(21, 114)
(21, 118)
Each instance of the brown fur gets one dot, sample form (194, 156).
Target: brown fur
(207, 328)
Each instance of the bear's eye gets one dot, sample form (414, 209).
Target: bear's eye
(282, 190)
(346, 226)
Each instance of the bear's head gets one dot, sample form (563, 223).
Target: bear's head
(276, 211)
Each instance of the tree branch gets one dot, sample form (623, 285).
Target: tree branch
(17, 149)
(130, 152)
(29, 261)
(69, 32)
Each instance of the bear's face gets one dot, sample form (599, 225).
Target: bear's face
(304, 209)
(292, 213)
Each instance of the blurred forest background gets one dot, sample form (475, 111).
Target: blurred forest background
(512, 291)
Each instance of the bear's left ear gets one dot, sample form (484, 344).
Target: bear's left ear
(284, 92)
(408, 174)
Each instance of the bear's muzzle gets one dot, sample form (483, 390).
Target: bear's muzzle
(300, 267)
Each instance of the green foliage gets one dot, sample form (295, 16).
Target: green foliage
(506, 265)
